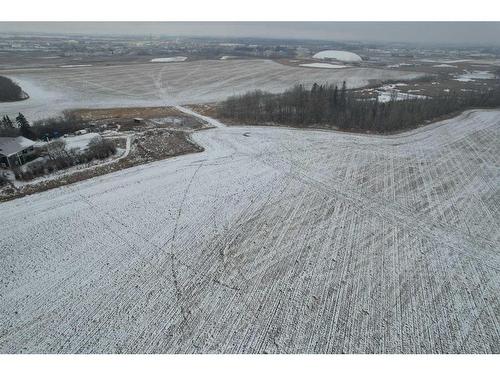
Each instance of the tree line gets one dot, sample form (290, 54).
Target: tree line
(334, 107)
(49, 128)
(17, 127)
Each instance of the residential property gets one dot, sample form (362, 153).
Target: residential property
(15, 151)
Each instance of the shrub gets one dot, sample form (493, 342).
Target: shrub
(3, 180)
(59, 158)
(101, 148)
(55, 127)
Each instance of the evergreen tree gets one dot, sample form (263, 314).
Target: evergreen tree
(343, 96)
(7, 122)
(24, 126)
(21, 121)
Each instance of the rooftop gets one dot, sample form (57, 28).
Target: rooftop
(13, 145)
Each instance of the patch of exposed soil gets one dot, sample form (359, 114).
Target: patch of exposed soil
(96, 114)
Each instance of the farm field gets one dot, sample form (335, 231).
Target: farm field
(272, 240)
(55, 89)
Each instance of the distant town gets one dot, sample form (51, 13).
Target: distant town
(45, 50)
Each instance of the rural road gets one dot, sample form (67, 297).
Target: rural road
(271, 241)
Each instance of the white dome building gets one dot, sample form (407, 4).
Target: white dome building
(343, 56)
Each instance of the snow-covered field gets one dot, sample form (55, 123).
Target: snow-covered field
(401, 64)
(80, 142)
(323, 66)
(272, 240)
(474, 60)
(444, 66)
(170, 59)
(75, 66)
(472, 76)
(55, 89)
(446, 61)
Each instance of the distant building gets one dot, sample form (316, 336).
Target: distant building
(15, 151)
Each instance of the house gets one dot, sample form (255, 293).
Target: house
(15, 151)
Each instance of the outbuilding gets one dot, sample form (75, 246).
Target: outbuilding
(15, 151)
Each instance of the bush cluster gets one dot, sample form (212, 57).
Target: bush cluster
(58, 158)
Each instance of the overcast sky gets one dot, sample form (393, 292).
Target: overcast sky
(484, 33)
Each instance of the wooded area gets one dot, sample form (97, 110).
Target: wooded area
(10, 91)
(331, 106)
(52, 127)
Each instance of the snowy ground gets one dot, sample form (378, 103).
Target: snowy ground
(54, 89)
(444, 66)
(472, 76)
(390, 92)
(75, 66)
(272, 240)
(323, 66)
(80, 142)
(170, 59)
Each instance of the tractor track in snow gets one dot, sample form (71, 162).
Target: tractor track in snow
(272, 240)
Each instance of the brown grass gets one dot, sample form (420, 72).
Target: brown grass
(125, 113)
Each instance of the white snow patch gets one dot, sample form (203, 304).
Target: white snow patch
(75, 66)
(386, 96)
(392, 86)
(231, 44)
(323, 66)
(169, 120)
(390, 92)
(170, 59)
(80, 142)
(456, 61)
(444, 66)
(445, 61)
(476, 74)
(400, 65)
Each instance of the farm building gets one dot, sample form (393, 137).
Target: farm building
(15, 151)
